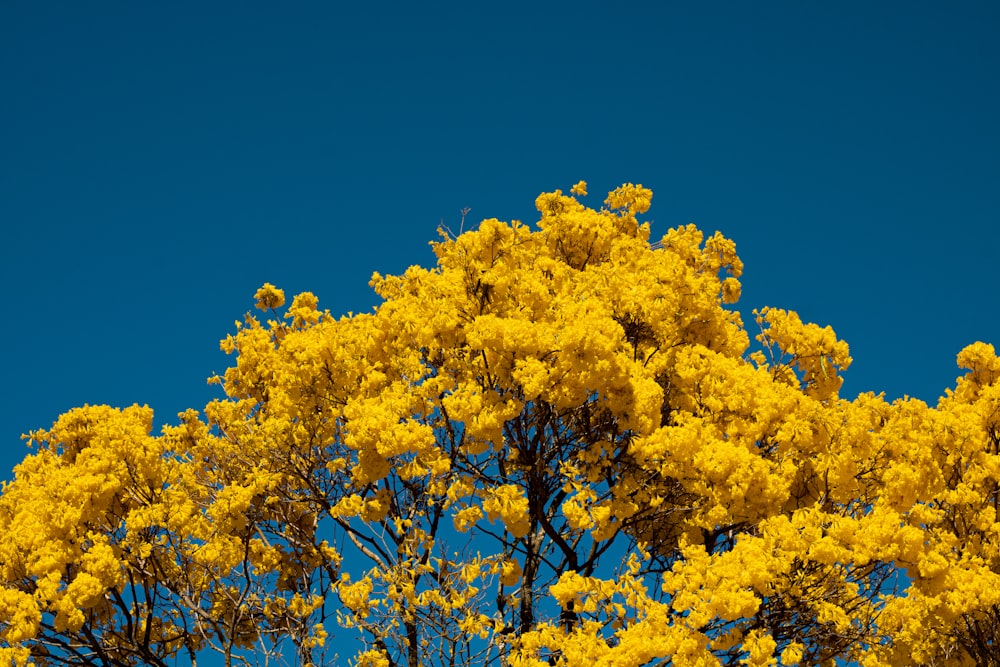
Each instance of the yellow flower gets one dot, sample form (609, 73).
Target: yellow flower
(269, 297)
(510, 572)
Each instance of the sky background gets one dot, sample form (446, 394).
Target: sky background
(160, 161)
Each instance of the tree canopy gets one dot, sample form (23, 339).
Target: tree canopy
(558, 446)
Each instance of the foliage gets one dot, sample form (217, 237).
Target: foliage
(557, 446)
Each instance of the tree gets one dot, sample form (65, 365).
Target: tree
(557, 446)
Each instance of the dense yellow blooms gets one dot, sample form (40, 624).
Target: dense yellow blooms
(558, 445)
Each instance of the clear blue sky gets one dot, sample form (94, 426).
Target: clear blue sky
(160, 161)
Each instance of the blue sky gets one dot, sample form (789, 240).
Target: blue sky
(159, 162)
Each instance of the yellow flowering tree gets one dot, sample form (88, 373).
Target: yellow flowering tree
(559, 445)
